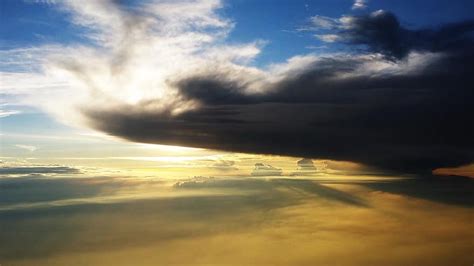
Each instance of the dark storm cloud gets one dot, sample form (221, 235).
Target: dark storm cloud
(382, 32)
(413, 116)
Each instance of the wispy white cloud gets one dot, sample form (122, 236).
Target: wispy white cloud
(137, 52)
(46, 2)
(323, 22)
(5, 113)
(29, 148)
(327, 37)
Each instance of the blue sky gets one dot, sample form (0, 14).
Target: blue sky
(29, 23)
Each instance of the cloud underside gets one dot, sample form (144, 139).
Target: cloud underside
(406, 120)
(161, 75)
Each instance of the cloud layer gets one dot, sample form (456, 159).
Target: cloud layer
(162, 73)
(121, 220)
(409, 115)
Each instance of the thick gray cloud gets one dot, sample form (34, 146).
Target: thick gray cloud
(401, 121)
(408, 109)
(382, 32)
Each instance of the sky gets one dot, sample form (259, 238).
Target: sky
(326, 131)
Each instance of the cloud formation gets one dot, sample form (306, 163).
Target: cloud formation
(359, 108)
(161, 73)
(6, 113)
(30, 170)
(72, 219)
(306, 165)
(265, 170)
(381, 32)
(359, 4)
(224, 165)
(29, 148)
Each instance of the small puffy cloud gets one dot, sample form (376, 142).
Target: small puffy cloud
(224, 165)
(196, 182)
(265, 170)
(359, 4)
(305, 165)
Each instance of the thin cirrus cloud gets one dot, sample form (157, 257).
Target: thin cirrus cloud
(403, 104)
(6, 113)
(29, 148)
(32, 170)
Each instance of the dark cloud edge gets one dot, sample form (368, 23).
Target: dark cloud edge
(410, 121)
